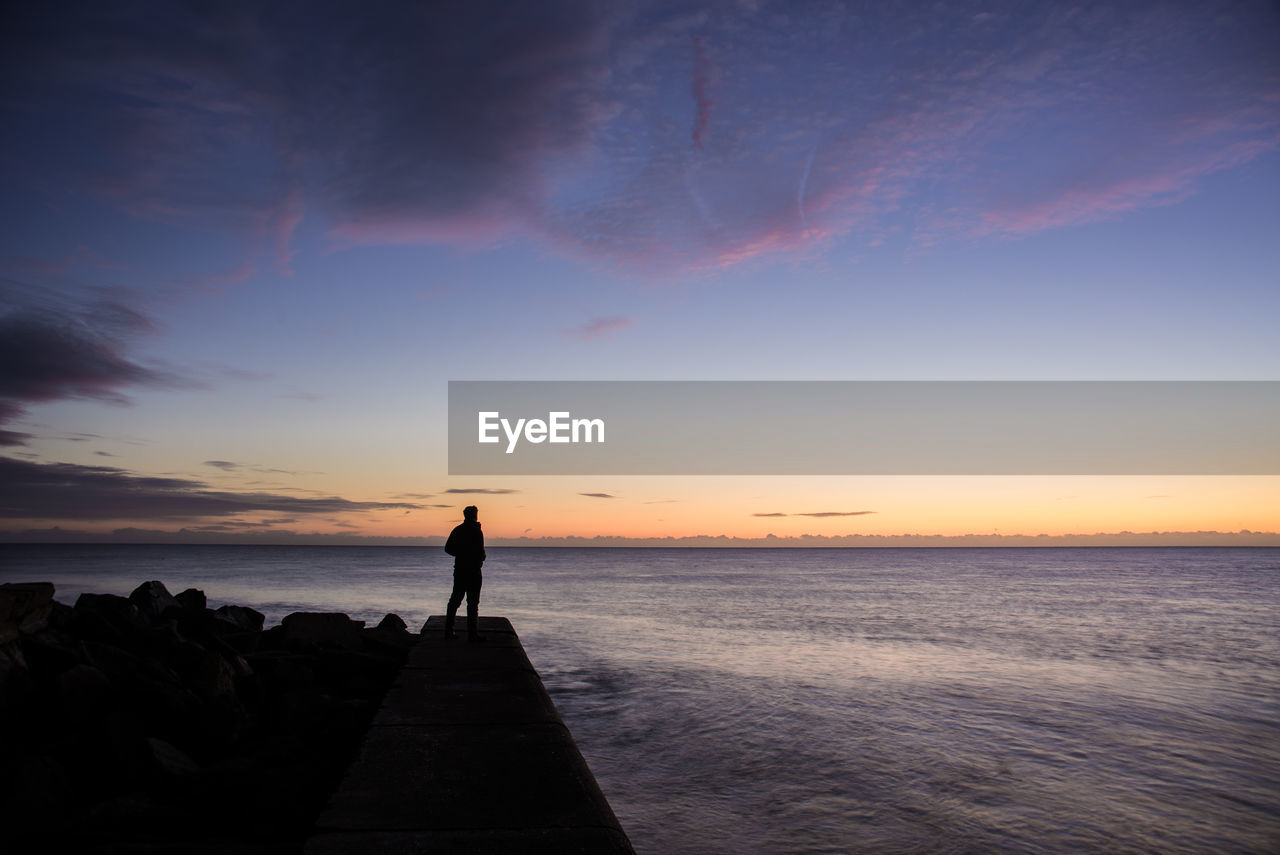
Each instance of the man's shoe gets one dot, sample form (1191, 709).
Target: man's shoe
(476, 637)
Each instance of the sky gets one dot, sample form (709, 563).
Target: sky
(245, 246)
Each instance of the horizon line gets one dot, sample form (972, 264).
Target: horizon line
(136, 536)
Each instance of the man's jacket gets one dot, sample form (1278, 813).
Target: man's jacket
(466, 545)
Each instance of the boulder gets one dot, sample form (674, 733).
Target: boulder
(62, 618)
(323, 628)
(139, 722)
(24, 608)
(107, 614)
(36, 790)
(192, 599)
(241, 618)
(152, 598)
(134, 814)
(84, 692)
(169, 762)
(241, 642)
(389, 638)
(207, 672)
(281, 669)
(47, 654)
(393, 623)
(16, 689)
(11, 657)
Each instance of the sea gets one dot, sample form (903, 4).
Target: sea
(1109, 700)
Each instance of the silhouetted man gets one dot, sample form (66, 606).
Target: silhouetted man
(466, 545)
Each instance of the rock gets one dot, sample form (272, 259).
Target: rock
(98, 614)
(163, 636)
(16, 690)
(170, 763)
(146, 723)
(128, 813)
(207, 672)
(192, 599)
(323, 628)
(242, 642)
(389, 638)
(393, 623)
(152, 598)
(118, 664)
(35, 791)
(281, 669)
(242, 618)
(168, 709)
(44, 657)
(84, 691)
(62, 618)
(24, 608)
(11, 657)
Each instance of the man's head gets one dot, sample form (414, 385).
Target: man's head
(470, 512)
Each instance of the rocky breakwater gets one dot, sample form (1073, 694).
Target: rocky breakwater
(152, 723)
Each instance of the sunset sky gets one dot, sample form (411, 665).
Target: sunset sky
(245, 246)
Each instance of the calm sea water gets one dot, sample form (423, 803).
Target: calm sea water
(832, 700)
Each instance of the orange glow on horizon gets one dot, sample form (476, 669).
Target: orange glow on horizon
(954, 506)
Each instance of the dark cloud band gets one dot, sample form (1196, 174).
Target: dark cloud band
(67, 491)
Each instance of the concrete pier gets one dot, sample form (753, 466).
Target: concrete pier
(468, 755)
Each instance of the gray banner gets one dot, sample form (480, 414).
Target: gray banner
(643, 427)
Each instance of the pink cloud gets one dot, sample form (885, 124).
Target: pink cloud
(437, 126)
(475, 230)
(1087, 204)
(286, 221)
(602, 327)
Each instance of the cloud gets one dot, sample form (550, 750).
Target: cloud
(79, 351)
(13, 437)
(940, 123)
(414, 121)
(243, 525)
(487, 491)
(818, 514)
(1091, 200)
(598, 495)
(9, 411)
(588, 127)
(601, 327)
(44, 358)
(232, 466)
(68, 491)
(285, 222)
(81, 437)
